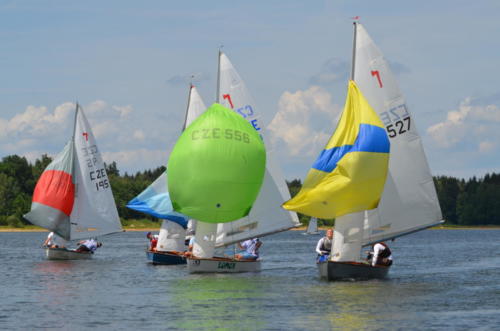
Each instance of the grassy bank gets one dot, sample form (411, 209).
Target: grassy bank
(128, 225)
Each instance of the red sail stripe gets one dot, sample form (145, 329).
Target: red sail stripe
(55, 189)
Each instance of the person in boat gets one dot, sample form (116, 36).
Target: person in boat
(51, 241)
(153, 241)
(89, 245)
(324, 246)
(380, 255)
(189, 251)
(251, 247)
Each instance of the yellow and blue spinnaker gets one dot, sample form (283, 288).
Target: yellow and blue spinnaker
(350, 173)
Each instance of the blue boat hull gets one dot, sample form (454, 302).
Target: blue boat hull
(165, 258)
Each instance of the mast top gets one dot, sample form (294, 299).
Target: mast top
(353, 50)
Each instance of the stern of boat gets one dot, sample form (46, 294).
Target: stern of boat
(332, 270)
(221, 265)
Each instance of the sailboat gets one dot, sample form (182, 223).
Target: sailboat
(266, 216)
(73, 196)
(312, 227)
(408, 202)
(155, 201)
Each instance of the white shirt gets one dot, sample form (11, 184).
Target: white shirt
(320, 243)
(50, 239)
(53, 239)
(91, 244)
(376, 251)
(251, 247)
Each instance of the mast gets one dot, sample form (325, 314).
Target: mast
(74, 122)
(217, 97)
(353, 51)
(188, 104)
(73, 157)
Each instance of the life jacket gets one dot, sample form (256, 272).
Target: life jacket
(386, 252)
(326, 245)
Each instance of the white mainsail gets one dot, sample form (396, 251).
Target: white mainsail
(266, 216)
(195, 106)
(409, 202)
(312, 227)
(94, 212)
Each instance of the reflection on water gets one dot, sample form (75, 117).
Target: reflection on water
(349, 313)
(216, 301)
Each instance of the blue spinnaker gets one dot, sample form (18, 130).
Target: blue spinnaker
(155, 201)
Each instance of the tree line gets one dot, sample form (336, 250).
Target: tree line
(475, 201)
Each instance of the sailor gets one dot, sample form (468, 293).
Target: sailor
(89, 245)
(251, 247)
(189, 251)
(51, 242)
(153, 241)
(324, 246)
(381, 255)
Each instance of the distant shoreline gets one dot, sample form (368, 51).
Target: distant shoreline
(302, 228)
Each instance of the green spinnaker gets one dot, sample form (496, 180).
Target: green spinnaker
(216, 168)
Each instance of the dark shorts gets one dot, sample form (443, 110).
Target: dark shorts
(82, 248)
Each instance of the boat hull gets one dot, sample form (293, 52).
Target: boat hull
(66, 254)
(221, 265)
(165, 258)
(331, 270)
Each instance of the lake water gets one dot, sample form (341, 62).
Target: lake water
(441, 279)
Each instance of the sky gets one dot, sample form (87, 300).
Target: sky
(129, 63)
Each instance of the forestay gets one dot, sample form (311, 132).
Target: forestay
(266, 215)
(409, 202)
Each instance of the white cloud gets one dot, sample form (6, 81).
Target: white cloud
(34, 122)
(304, 121)
(38, 130)
(486, 146)
(475, 125)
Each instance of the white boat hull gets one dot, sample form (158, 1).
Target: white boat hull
(66, 254)
(221, 265)
(331, 270)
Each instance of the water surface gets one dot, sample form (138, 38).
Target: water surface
(441, 279)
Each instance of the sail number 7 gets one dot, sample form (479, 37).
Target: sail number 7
(399, 127)
(228, 97)
(377, 74)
